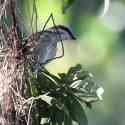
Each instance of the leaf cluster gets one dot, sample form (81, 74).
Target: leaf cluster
(65, 96)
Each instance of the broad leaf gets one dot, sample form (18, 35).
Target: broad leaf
(57, 116)
(77, 112)
(67, 120)
(67, 4)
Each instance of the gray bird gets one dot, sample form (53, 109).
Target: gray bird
(43, 45)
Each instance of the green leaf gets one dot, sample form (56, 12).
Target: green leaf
(57, 116)
(77, 112)
(66, 5)
(67, 120)
(74, 69)
(48, 74)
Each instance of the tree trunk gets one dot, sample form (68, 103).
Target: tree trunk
(11, 74)
(11, 85)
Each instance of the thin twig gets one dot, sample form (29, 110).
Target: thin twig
(29, 112)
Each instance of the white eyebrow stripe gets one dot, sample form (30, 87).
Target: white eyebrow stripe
(106, 7)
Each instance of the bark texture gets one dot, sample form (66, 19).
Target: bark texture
(11, 71)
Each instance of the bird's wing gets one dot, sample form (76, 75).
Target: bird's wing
(45, 46)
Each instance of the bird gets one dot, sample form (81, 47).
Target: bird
(42, 45)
